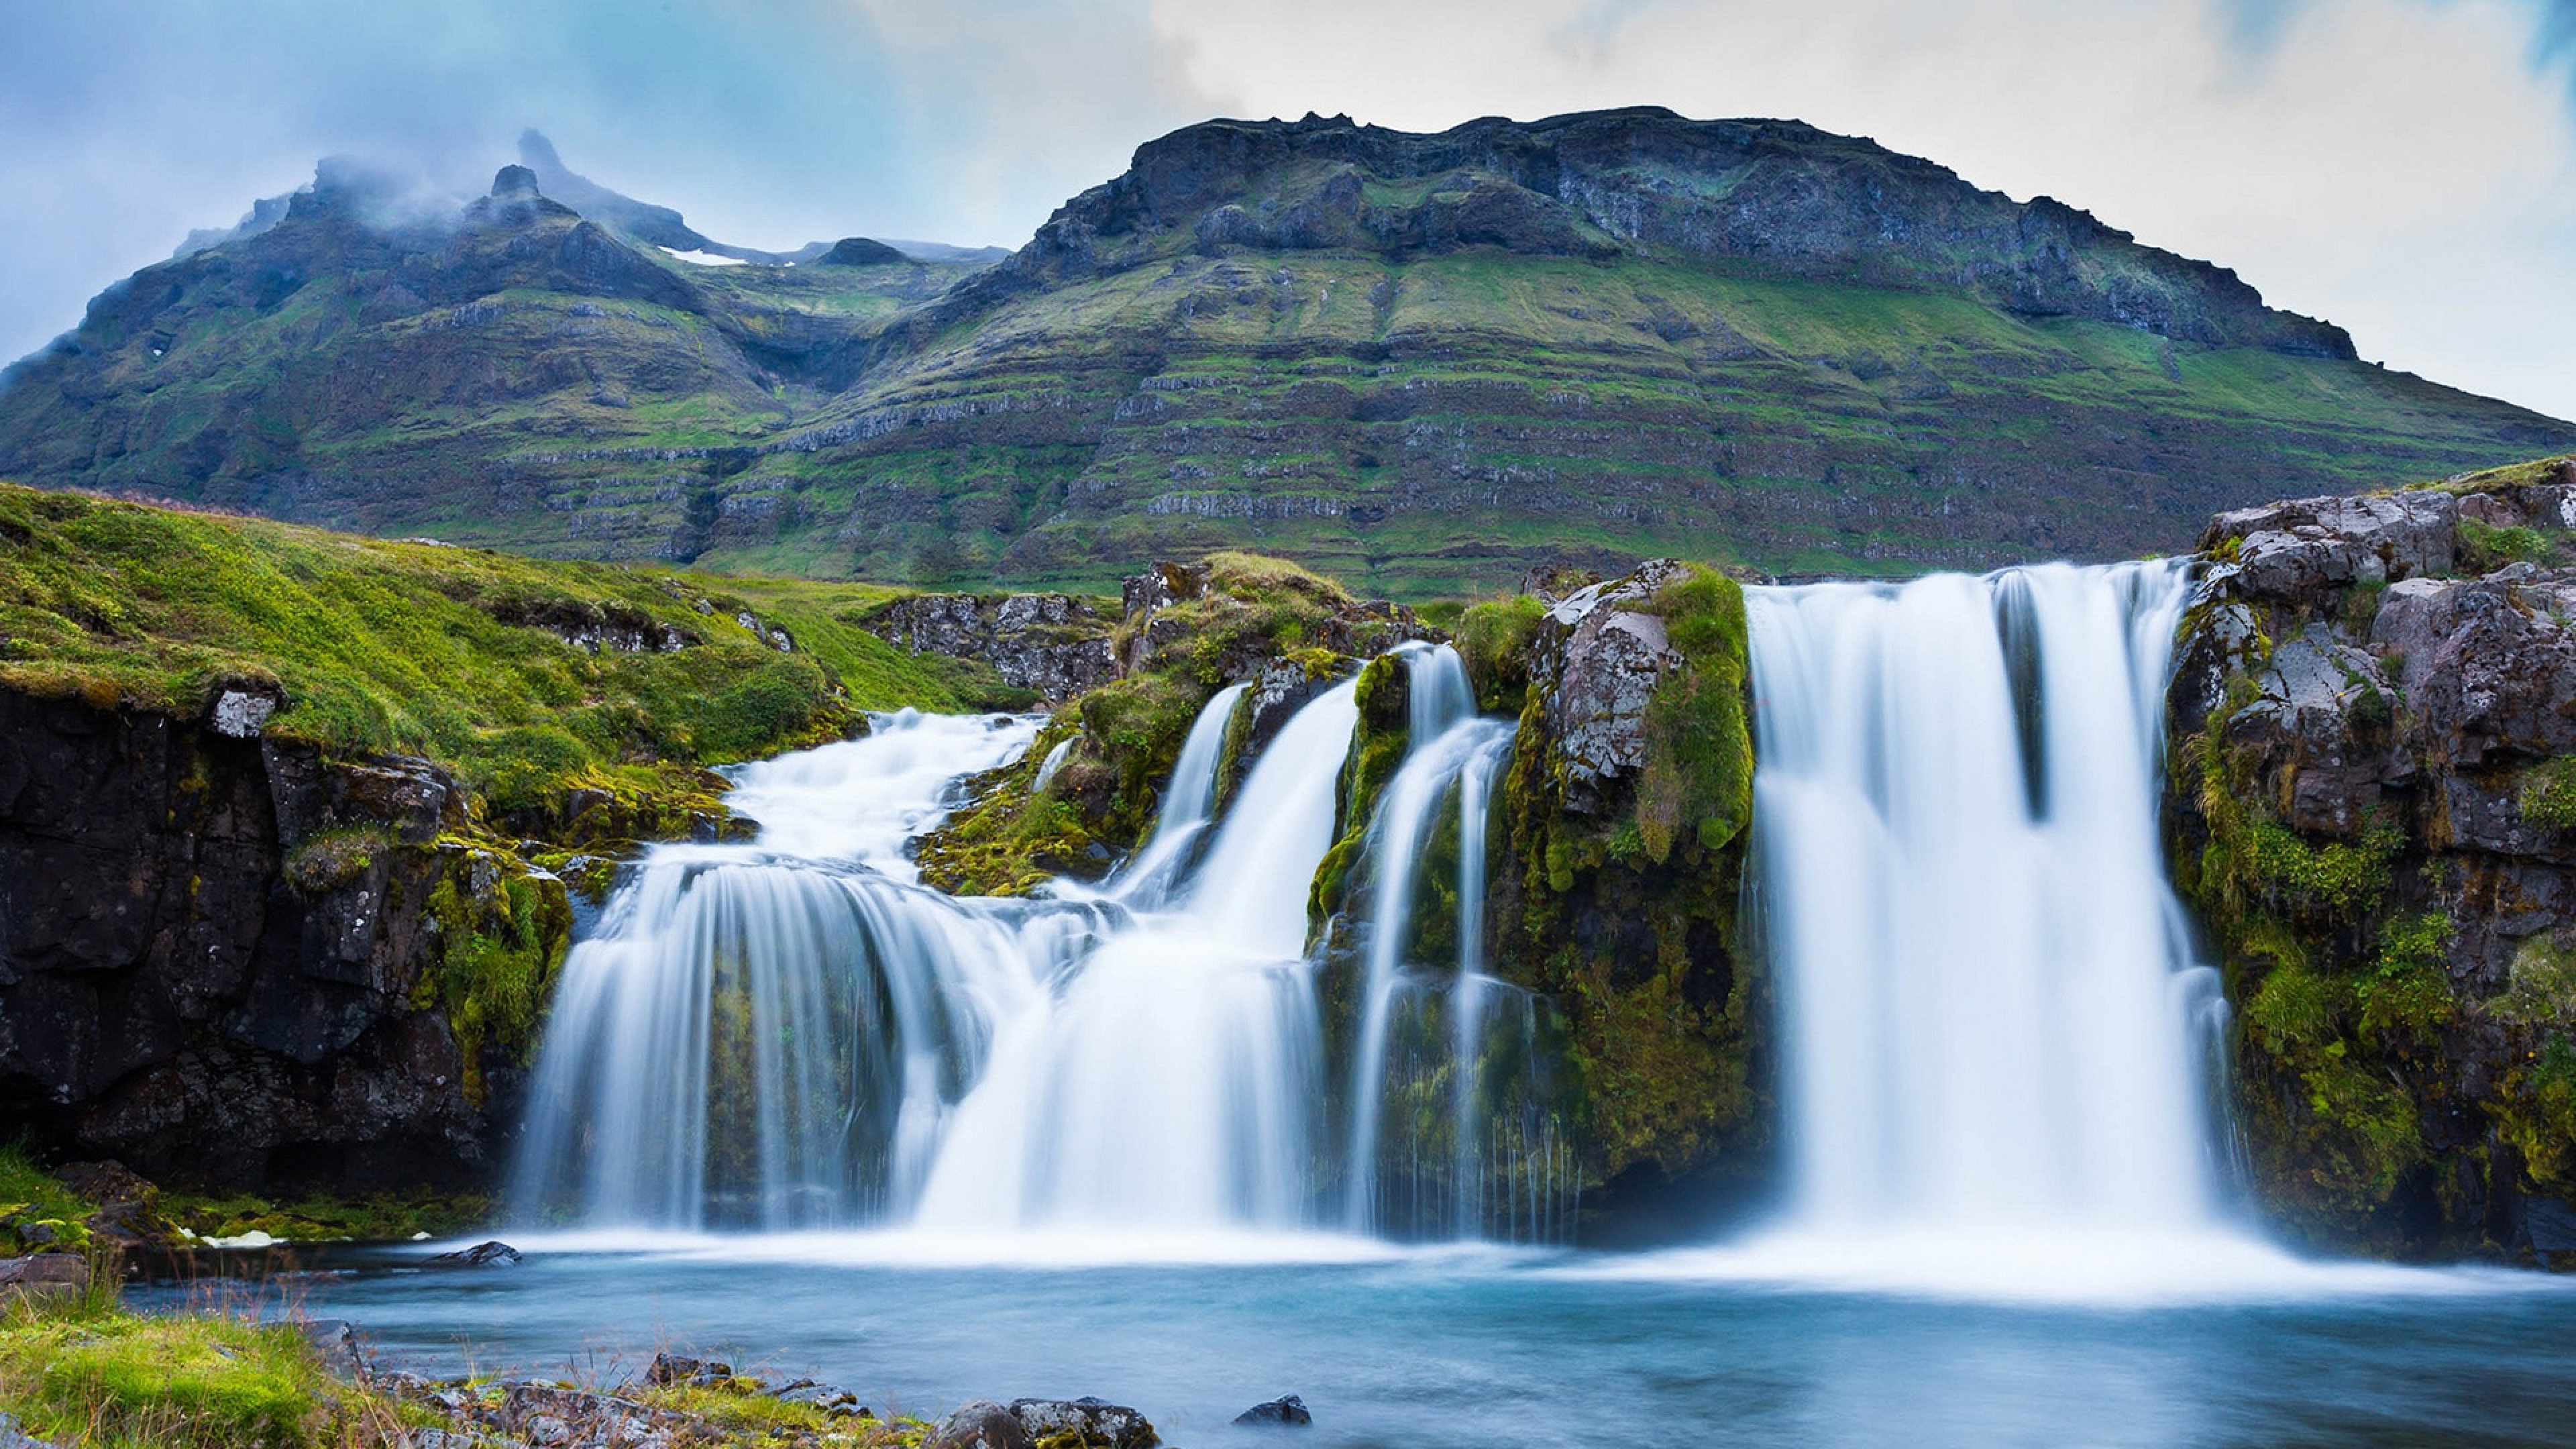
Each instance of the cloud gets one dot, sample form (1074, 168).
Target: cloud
(2404, 167)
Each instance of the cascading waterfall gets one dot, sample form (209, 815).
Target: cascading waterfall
(1188, 806)
(1451, 1129)
(1990, 1010)
(792, 1032)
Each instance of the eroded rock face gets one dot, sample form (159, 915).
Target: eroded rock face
(2365, 802)
(184, 991)
(1054, 644)
(1606, 656)
(2294, 551)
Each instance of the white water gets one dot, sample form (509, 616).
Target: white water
(792, 1033)
(1189, 806)
(1474, 1151)
(1994, 1030)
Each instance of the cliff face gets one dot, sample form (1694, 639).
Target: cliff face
(1599, 184)
(229, 962)
(2372, 800)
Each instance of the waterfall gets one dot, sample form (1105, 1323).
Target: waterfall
(1171, 1079)
(1990, 1011)
(1451, 1133)
(1187, 806)
(793, 1032)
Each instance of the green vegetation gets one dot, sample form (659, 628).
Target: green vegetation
(101, 1378)
(2484, 547)
(1232, 615)
(455, 654)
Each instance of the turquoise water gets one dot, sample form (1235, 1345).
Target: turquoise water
(1501, 1349)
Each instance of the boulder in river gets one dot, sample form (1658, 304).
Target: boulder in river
(494, 1254)
(1286, 1411)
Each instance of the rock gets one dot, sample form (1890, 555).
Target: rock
(1283, 1412)
(672, 1368)
(14, 1435)
(336, 1341)
(241, 713)
(1094, 1423)
(552, 1414)
(42, 1276)
(494, 1254)
(2551, 1225)
(1054, 644)
(830, 1398)
(2294, 551)
(981, 1424)
(1606, 658)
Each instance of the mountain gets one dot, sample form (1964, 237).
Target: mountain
(1427, 362)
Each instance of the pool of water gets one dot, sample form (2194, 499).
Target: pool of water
(1780, 1343)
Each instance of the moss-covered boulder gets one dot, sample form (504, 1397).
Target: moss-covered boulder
(2366, 804)
(1625, 809)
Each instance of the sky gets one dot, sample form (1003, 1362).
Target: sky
(2405, 168)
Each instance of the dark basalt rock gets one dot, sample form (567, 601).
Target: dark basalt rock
(981, 1424)
(494, 1254)
(172, 996)
(1285, 1412)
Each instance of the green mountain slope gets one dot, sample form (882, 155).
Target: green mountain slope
(1425, 362)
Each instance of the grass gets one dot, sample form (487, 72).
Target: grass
(450, 653)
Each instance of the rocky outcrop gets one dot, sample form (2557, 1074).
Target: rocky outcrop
(229, 961)
(1052, 644)
(1625, 810)
(2372, 800)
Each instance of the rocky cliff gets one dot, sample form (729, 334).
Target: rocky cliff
(227, 961)
(2372, 801)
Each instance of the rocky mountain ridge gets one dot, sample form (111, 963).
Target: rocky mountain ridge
(1423, 362)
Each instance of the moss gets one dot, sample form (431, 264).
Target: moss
(1379, 743)
(2548, 794)
(1629, 919)
(2405, 996)
(1698, 774)
(335, 858)
(2536, 1113)
(1493, 640)
(502, 932)
(2486, 547)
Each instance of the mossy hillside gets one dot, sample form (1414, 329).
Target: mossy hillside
(454, 654)
(1124, 737)
(1629, 918)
